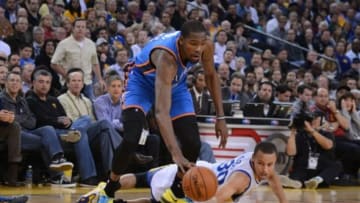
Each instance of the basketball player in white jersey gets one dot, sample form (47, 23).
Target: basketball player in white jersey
(235, 177)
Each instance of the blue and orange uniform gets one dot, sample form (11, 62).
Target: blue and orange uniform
(140, 91)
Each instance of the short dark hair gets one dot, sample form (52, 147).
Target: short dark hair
(301, 88)
(121, 49)
(265, 83)
(39, 72)
(283, 88)
(192, 26)
(347, 95)
(198, 72)
(26, 45)
(73, 70)
(266, 148)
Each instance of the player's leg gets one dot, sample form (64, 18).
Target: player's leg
(186, 131)
(185, 124)
(133, 121)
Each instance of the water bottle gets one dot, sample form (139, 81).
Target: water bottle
(29, 176)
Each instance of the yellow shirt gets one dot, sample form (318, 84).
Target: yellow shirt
(76, 107)
(71, 16)
(73, 54)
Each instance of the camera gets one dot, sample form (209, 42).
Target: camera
(298, 120)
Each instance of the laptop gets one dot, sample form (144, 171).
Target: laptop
(227, 106)
(253, 110)
(281, 110)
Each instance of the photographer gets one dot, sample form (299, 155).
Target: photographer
(313, 151)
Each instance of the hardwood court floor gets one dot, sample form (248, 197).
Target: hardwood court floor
(261, 195)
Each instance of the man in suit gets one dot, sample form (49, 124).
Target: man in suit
(235, 91)
(199, 94)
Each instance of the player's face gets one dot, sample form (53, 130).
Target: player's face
(263, 164)
(193, 46)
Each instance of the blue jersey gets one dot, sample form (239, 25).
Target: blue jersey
(168, 42)
(140, 91)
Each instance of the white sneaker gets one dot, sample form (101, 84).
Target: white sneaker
(290, 183)
(313, 183)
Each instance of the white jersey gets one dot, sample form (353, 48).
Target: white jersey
(162, 178)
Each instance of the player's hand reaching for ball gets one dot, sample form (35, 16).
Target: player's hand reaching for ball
(182, 162)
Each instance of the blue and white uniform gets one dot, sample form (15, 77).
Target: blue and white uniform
(161, 178)
(140, 91)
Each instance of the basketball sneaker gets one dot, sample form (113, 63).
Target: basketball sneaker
(93, 194)
(168, 196)
(185, 200)
(103, 198)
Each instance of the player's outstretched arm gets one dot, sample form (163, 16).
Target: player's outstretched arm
(166, 69)
(277, 188)
(213, 84)
(236, 184)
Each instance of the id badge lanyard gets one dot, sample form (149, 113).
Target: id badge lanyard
(313, 158)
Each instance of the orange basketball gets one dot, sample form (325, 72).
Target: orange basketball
(199, 183)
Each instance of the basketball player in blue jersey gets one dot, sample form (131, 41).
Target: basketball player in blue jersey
(235, 178)
(158, 78)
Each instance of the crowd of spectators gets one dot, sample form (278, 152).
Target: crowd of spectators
(63, 70)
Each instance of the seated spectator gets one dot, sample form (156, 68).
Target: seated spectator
(283, 93)
(26, 77)
(103, 53)
(33, 138)
(329, 68)
(303, 101)
(347, 137)
(121, 57)
(340, 91)
(332, 114)
(101, 135)
(10, 134)
(26, 52)
(236, 90)
(199, 94)
(251, 84)
(264, 95)
(314, 164)
(224, 74)
(108, 107)
(14, 59)
(276, 77)
(49, 111)
(73, 11)
(3, 74)
(44, 59)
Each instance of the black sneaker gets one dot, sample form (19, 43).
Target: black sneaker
(60, 165)
(63, 182)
